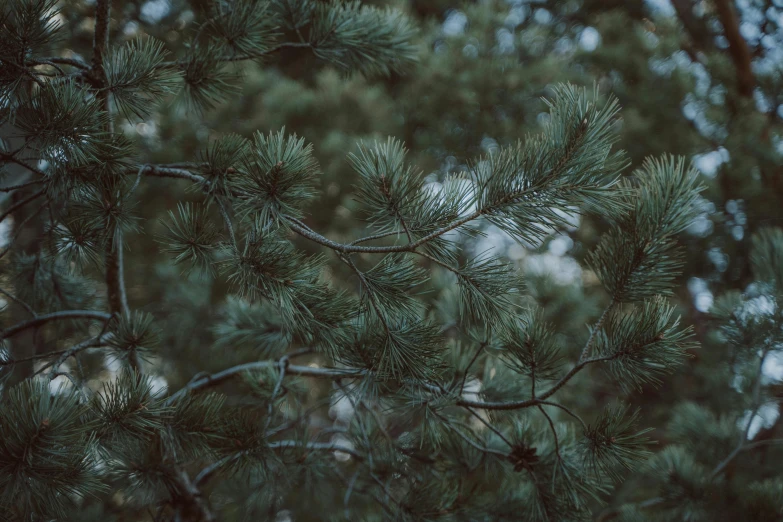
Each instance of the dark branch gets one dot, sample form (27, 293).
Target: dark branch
(55, 316)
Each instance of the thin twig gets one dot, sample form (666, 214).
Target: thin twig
(5, 156)
(470, 441)
(489, 426)
(347, 496)
(21, 185)
(20, 229)
(93, 342)
(20, 204)
(533, 402)
(9, 362)
(18, 301)
(612, 513)
(481, 347)
(376, 236)
(24, 71)
(282, 366)
(568, 411)
(371, 297)
(227, 220)
(596, 328)
(138, 179)
(744, 438)
(303, 371)
(293, 422)
(360, 422)
(54, 316)
(554, 432)
(385, 489)
(760, 443)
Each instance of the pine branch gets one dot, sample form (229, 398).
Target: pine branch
(516, 405)
(173, 172)
(744, 437)
(21, 185)
(54, 316)
(72, 351)
(303, 371)
(189, 489)
(193, 495)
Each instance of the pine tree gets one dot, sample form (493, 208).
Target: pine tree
(447, 374)
(712, 467)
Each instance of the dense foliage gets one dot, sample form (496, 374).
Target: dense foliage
(209, 316)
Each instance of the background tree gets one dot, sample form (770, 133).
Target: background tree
(419, 440)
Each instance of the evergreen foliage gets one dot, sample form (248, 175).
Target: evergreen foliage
(458, 386)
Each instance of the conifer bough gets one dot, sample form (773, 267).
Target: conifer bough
(418, 445)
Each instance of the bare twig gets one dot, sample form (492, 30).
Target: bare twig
(6, 156)
(20, 229)
(489, 426)
(552, 428)
(18, 301)
(21, 185)
(282, 366)
(744, 437)
(567, 410)
(227, 220)
(595, 330)
(54, 316)
(20, 204)
(540, 398)
(481, 347)
(471, 442)
(24, 70)
(303, 371)
(93, 342)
